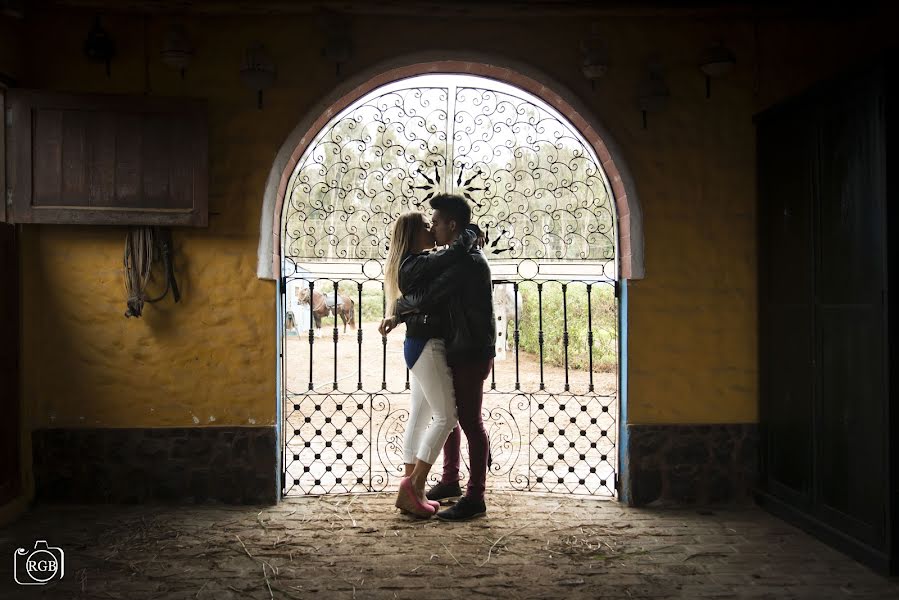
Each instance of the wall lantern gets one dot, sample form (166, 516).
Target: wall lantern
(177, 51)
(338, 46)
(257, 71)
(338, 49)
(652, 92)
(716, 61)
(594, 59)
(99, 47)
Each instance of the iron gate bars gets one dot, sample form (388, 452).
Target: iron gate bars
(551, 427)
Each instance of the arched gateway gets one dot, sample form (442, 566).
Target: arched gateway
(537, 186)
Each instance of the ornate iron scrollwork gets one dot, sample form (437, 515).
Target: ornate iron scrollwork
(531, 179)
(361, 173)
(533, 183)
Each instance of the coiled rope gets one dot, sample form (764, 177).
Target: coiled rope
(145, 246)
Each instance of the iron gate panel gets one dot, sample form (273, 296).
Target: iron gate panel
(550, 407)
(530, 180)
(369, 165)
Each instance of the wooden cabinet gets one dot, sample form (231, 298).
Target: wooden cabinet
(10, 431)
(104, 159)
(827, 418)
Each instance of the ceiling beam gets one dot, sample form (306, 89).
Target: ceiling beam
(495, 9)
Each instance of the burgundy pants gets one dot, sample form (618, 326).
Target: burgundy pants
(468, 382)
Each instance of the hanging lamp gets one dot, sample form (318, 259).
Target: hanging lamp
(177, 50)
(257, 71)
(716, 61)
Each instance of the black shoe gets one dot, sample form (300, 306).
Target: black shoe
(445, 491)
(464, 509)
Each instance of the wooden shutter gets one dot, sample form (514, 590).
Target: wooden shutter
(129, 160)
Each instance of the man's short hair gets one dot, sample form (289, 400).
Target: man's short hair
(453, 207)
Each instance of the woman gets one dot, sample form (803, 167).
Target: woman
(432, 416)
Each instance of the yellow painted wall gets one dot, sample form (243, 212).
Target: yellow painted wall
(211, 359)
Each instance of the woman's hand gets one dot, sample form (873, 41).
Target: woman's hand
(481, 240)
(387, 325)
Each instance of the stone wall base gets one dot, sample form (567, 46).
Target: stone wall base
(691, 464)
(235, 465)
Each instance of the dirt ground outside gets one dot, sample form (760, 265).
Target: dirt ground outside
(347, 440)
(360, 547)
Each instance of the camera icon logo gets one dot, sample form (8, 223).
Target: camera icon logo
(39, 566)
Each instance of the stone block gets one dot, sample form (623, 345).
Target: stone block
(224, 464)
(691, 464)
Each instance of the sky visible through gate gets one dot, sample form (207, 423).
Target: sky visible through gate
(535, 186)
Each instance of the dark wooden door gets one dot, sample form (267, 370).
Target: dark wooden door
(786, 180)
(10, 479)
(823, 329)
(851, 413)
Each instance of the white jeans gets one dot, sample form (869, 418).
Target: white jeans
(432, 415)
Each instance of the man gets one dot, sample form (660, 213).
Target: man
(465, 294)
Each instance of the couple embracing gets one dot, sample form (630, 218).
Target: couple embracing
(445, 298)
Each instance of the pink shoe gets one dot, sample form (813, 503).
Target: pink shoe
(408, 500)
(433, 503)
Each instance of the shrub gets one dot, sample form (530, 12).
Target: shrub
(605, 325)
(604, 307)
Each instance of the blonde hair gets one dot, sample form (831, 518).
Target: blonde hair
(401, 240)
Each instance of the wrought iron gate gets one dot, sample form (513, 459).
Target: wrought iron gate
(550, 405)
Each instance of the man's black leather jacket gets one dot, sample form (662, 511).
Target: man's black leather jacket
(418, 271)
(462, 298)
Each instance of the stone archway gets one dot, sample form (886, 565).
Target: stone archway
(627, 256)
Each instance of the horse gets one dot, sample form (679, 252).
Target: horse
(323, 304)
